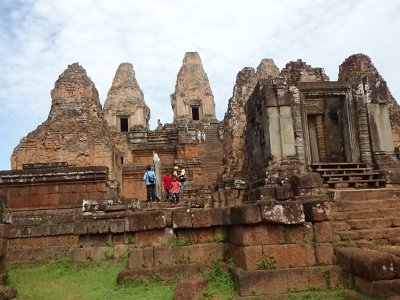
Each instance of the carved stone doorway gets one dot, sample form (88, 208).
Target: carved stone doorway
(325, 130)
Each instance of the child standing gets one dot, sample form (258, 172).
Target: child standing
(175, 190)
(167, 182)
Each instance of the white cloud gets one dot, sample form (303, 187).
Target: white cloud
(39, 38)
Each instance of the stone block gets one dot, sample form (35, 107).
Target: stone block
(394, 251)
(207, 254)
(282, 212)
(290, 255)
(117, 226)
(61, 229)
(247, 258)
(219, 216)
(297, 279)
(80, 228)
(4, 230)
(136, 258)
(80, 254)
(263, 282)
(245, 214)
(323, 232)
(187, 234)
(181, 218)
(98, 226)
(148, 257)
(220, 233)
(196, 203)
(324, 253)
(306, 181)
(299, 233)
(316, 211)
(166, 256)
(201, 218)
(369, 264)
(283, 192)
(120, 250)
(318, 278)
(156, 237)
(129, 276)
(379, 288)
(147, 220)
(252, 235)
(191, 288)
(204, 235)
(8, 292)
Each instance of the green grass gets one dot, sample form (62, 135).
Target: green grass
(59, 280)
(219, 282)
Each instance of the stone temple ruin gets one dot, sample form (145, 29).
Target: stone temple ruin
(298, 185)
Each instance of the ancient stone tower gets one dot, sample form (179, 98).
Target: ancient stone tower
(125, 106)
(75, 132)
(193, 99)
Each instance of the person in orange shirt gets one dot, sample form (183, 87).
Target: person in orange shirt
(175, 190)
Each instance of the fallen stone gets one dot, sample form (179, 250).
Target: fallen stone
(189, 289)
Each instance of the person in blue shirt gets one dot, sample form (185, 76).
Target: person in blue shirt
(150, 179)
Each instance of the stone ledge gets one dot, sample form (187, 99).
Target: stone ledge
(280, 281)
(369, 264)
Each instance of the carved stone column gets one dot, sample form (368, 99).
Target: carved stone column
(321, 138)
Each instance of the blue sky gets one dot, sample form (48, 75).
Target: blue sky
(40, 38)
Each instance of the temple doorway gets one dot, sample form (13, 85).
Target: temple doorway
(325, 130)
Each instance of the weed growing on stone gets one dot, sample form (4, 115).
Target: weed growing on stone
(219, 279)
(181, 242)
(109, 255)
(267, 263)
(217, 240)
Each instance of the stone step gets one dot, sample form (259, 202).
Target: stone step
(343, 171)
(365, 214)
(390, 235)
(273, 283)
(346, 206)
(338, 165)
(370, 223)
(364, 194)
(357, 183)
(360, 244)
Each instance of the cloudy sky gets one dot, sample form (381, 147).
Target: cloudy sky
(40, 38)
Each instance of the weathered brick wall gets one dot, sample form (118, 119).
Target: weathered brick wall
(54, 187)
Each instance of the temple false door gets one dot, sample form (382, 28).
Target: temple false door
(325, 130)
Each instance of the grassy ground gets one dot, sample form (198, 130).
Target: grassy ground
(61, 280)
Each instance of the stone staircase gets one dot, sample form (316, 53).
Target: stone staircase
(366, 230)
(211, 155)
(366, 218)
(353, 175)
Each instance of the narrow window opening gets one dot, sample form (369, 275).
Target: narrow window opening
(122, 160)
(124, 124)
(195, 114)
